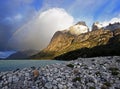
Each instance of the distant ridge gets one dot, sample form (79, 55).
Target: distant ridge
(22, 54)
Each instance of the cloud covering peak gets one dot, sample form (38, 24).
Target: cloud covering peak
(37, 33)
(112, 21)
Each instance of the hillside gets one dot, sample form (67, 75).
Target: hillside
(22, 54)
(98, 40)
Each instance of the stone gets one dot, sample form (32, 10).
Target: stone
(48, 85)
(27, 74)
(55, 87)
(15, 78)
(69, 84)
(35, 73)
(60, 86)
(54, 82)
(1, 84)
(10, 79)
(63, 78)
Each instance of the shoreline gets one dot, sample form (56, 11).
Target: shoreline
(83, 73)
(11, 65)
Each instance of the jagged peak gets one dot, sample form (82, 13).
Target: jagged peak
(81, 23)
(112, 26)
(78, 28)
(96, 26)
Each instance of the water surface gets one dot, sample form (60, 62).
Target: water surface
(8, 65)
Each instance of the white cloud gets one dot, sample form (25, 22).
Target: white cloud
(18, 17)
(14, 19)
(113, 20)
(37, 33)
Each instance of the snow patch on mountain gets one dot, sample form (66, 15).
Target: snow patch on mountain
(78, 29)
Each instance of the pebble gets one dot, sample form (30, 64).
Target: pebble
(59, 76)
(48, 85)
(36, 73)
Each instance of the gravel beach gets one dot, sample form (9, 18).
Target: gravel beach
(83, 73)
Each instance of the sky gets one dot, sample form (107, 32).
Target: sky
(30, 24)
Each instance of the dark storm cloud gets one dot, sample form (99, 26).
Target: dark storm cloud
(13, 14)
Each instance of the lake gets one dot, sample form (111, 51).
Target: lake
(8, 65)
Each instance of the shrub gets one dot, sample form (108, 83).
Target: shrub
(92, 87)
(114, 70)
(77, 79)
(70, 65)
(108, 84)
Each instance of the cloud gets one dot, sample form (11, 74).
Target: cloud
(113, 20)
(37, 33)
(14, 13)
(92, 10)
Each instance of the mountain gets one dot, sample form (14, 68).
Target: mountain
(111, 48)
(22, 54)
(79, 38)
(113, 26)
(97, 26)
(78, 28)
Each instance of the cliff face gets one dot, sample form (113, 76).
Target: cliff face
(60, 41)
(96, 26)
(63, 42)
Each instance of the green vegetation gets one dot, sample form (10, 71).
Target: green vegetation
(114, 70)
(104, 87)
(92, 87)
(44, 55)
(77, 79)
(70, 65)
(103, 50)
(108, 84)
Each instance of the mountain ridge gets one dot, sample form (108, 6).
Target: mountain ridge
(63, 41)
(74, 38)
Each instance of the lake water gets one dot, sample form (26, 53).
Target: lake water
(8, 65)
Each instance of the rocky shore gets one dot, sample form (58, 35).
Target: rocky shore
(83, 73)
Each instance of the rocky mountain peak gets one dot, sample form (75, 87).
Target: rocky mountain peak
(96, 26)
(81, 23)
(78, 28)
(113, 26)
